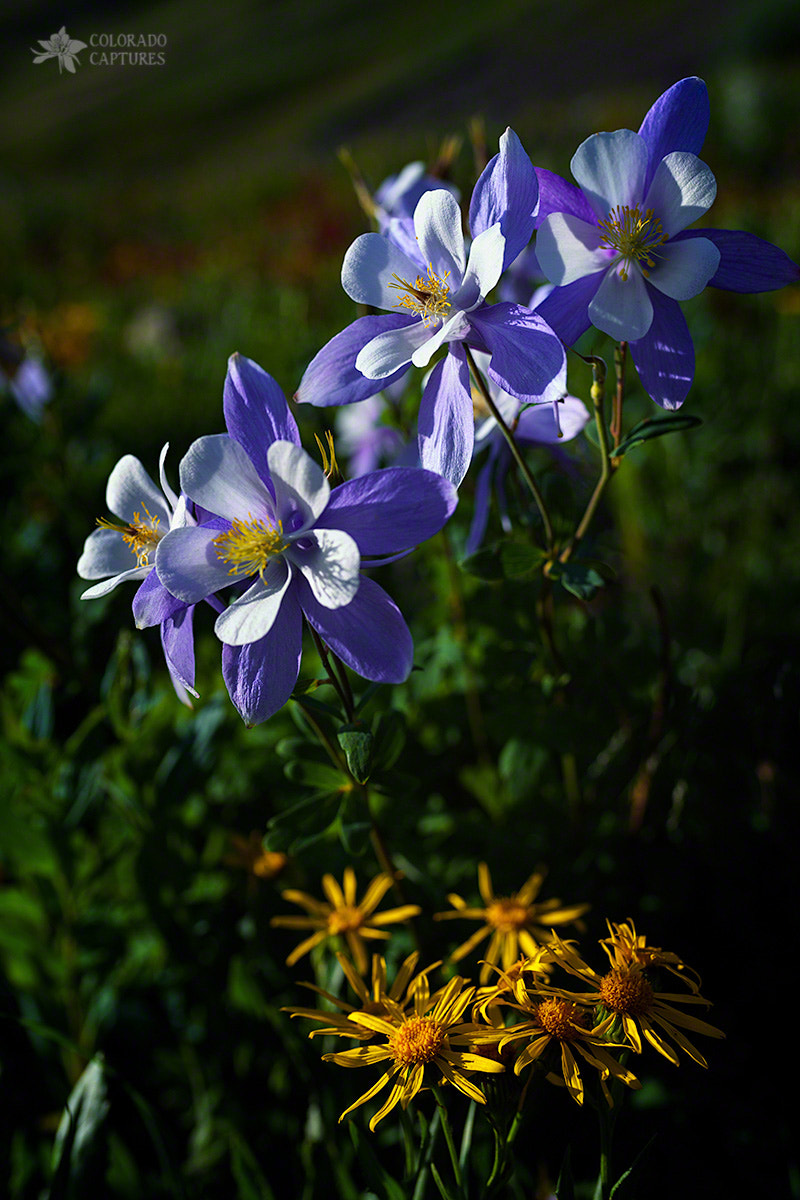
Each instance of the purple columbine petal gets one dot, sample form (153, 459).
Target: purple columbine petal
(747, 263)
(105, 553)
(392, 351)
(400, 231)
(260, 677)
(188, 564)
(368, 634)
(153, 604)
(217, 473)
(252, 615)
(330, 566)
(256, 412)
(684, 268)
(558, 195)
(664, 357)
(507, 192)
(446, 426)
(369, 269)
(480, 512)
(610, 169)
(130, 490)
(332, 377)
(437, 223)
(177, 642)
(568, 249)
(527, 357)
(683, 189)
(301, 489)
(391, 510)
(566, 309)
(677, 121)
(622, 307)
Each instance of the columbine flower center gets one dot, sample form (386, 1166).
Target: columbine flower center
(634, 236)
(341, 920)
(427, 297)
(418, 1040)
(249, 545)
(142, 536)
(507, 915)
(559, 1018)
(626, 992)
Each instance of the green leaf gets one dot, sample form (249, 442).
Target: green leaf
(76, 1142)
(618, 1189)
(390, 740)
(356, 741)
(520, 559)
(582, 579)
(565, 1187)
(354, 831)
(311, 815)
(483, 564)
(318, 775)
(653, 427)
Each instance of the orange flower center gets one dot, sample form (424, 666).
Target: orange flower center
(559, 1018)
(418, 1040)
(343, 919)
(507, 915)
(626, 992)
(141, 536)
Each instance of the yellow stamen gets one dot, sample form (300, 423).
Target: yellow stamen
(427, 297)
(418, 1040)
(249, 545)
(328, 454)
(626, 992)
(507, 915)
(636, 238)
(141, 537)
(559, 1018)
(344, 919)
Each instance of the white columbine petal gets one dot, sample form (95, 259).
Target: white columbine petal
(451, 331)
(568, 248)
(683, 189)
(390, 351)
(622, 307)
(130, 490)
(105, 553)
(189, 566)
(331, 566)
(252, 616)
(162, 477)
(610, 169)
(217, 473)
(369, 268)
(437, 223)
(484, 268)
(102, 589)
(683, 269)
(300, 486)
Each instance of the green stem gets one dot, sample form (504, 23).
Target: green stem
(620, 355)
(336, 684)
(607, 467)
(515, 450)
(425, 1156)
(448, 1134)
(324, 740)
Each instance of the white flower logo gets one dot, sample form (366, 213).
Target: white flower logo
(62, 47)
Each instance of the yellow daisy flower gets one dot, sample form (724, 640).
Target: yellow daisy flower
(555, 1021)
(515, 923)
(370, 1001)
(627, 948)
(627, 996)
(532, 970)
(419, 1047)
(342, 916)
(249, 854)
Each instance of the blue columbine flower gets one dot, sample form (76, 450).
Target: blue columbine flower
(618, 248)
(295, 545)
(148, 513)
(422, 268)
(399, 195)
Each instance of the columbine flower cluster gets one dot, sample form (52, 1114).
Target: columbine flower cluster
(257, 520)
